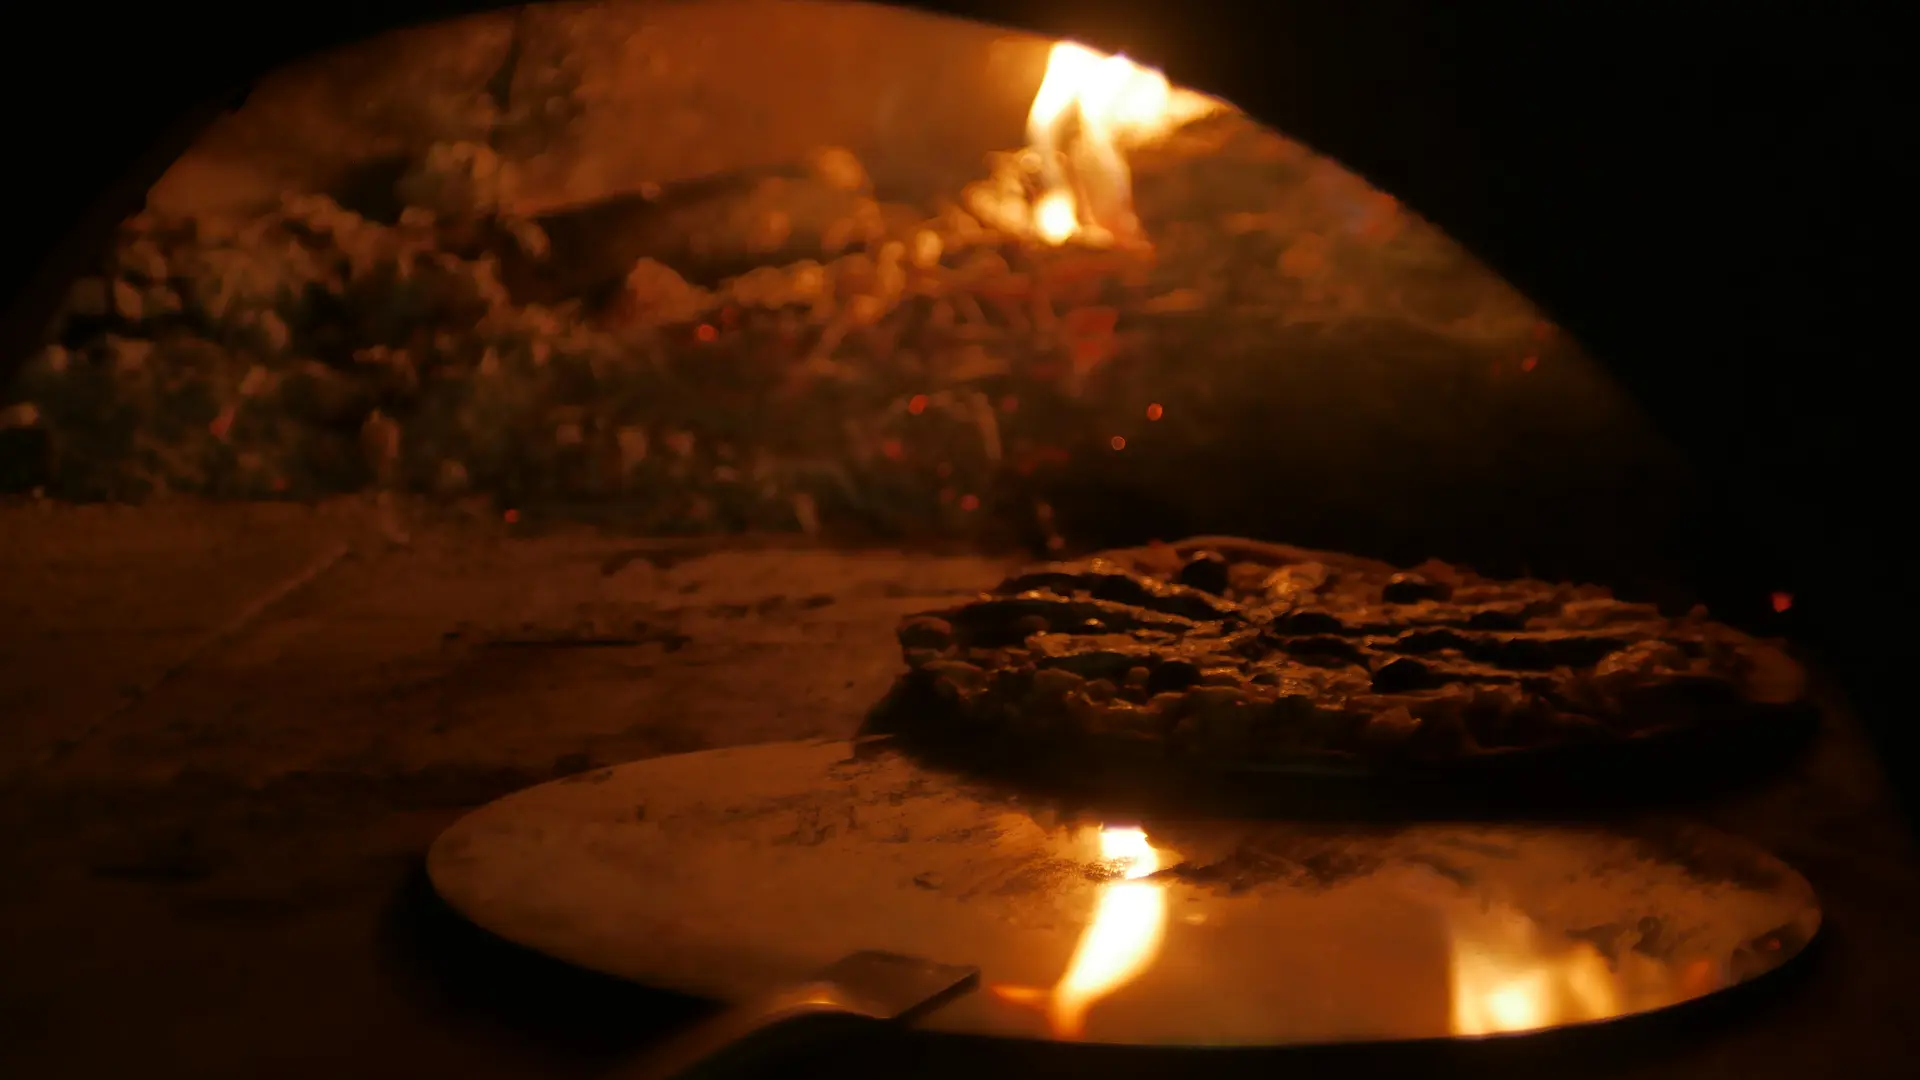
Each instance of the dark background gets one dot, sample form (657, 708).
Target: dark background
(1704, 194)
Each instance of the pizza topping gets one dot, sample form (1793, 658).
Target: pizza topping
(1011, 619)
(1310, 622)
(1643, 658)
(1322, 648)
(1056, 682)
(1498, 618)
(1412, 589)
(1401, 675)
(1101, 580)
(1269, 653)
(1173, 676)
(926, 632)
(1291, 585)
(1606, 611)
(1391, 730)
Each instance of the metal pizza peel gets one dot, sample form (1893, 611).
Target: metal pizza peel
(736, 875)
(868, 985)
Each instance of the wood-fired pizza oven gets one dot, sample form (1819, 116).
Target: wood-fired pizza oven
(507, 397)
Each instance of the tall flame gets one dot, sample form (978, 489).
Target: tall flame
(1086, 188)
(1120, 941)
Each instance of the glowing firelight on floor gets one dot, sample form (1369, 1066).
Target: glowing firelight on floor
(1120, 941)
(1505, 978)
(1089, 109)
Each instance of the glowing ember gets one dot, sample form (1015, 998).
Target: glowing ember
(1089, 109)
(1120, 941)
(1055, 218)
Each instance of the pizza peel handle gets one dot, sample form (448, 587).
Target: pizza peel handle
(864, 985)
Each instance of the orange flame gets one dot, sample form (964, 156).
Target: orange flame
(1503, 980)
(1120, 941)
(1086, 188)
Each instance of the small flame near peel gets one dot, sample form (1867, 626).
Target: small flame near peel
(1505, 978)
(1120, 941)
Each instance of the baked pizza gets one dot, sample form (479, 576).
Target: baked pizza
(1238, 654)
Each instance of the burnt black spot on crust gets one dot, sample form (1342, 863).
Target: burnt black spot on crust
(1323, 647)
(1412, 589)
(1207, 571)
(1172, 677)
(1402, 676)
(1309, 622)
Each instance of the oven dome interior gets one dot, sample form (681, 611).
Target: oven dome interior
(724, 267)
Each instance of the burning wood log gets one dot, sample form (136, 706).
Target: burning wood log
(706, 230)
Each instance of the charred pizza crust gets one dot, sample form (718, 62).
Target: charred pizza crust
(1238, 653)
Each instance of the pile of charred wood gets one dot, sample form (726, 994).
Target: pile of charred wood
(787, 349)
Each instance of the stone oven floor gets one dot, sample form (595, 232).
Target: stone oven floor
(228, 734)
